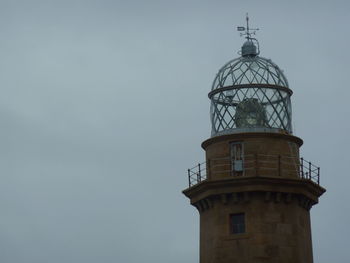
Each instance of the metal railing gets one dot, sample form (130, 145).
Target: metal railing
(309, 171)
(197, 174)
(255, 165)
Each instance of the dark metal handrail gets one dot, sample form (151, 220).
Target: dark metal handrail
(255, 164)
(197, 174)
(309, 171)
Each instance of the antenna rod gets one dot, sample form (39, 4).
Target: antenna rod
(248, 34)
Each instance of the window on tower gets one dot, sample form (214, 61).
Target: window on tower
(237, 223)
(237, 158)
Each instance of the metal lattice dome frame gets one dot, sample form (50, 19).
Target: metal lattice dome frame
(250, 93)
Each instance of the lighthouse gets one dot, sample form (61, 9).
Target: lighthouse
(254, 191)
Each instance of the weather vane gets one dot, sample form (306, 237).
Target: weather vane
(248, 31)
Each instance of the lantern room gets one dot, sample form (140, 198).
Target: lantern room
(250, 94)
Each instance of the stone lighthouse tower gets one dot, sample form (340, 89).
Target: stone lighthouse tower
(253, 192)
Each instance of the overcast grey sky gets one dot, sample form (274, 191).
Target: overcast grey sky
(104, 105)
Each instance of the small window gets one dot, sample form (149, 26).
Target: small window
(237, 222)
(237, 158)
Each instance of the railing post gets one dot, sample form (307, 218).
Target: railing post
(318, 175)
(310, 171)
(302, 167)
(279, 166)
(199, 173)
(189, 177)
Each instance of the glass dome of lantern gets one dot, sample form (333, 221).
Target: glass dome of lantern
(250, 93)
